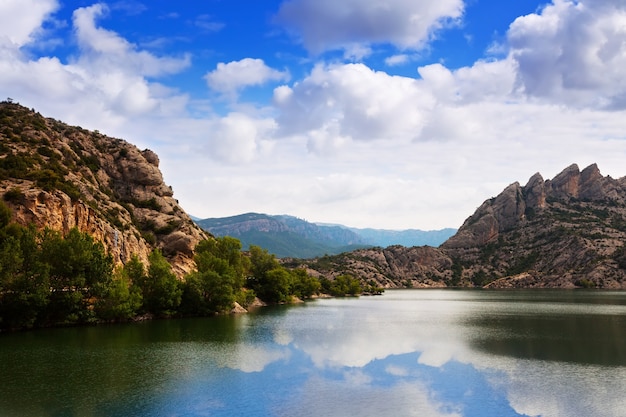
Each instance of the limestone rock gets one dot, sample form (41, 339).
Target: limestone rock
(101, 185)
(562, 233)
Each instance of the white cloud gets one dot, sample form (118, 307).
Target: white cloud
(229, 78)
(398, 59)
(352, 102)
(104, 50)
(573, 52)
(237, 138)
(108, 77)
(329, 24)
(20, 20)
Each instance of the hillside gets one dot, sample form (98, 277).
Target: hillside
(408, 237)
(566, 232)
(59, 176)
(288, 236)
(284, 236)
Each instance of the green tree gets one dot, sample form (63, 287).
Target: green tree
(119, 300)
(219, 278)
(160, 289)
(344, 285)
(270, 281)
(304, 285)
(78, 268)
(24, 286)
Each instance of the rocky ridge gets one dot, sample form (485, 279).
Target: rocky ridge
(566, 232)
(59, 176)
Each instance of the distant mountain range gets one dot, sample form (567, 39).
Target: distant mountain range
(288, 236)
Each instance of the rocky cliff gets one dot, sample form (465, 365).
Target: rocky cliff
(566, 232)
(59, 176)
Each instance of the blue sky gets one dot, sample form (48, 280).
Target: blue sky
(394, 114)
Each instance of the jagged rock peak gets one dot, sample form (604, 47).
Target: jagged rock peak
(565, 184)
(515, 204)
(535, 192)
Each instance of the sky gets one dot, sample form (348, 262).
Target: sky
(393, 114)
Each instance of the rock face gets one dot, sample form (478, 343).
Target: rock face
(58, 176)
(566, 232)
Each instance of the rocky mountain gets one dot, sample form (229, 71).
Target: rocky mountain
(566, 232)
(284, 236)
(59, 176)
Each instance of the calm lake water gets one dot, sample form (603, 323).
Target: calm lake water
(406, 353)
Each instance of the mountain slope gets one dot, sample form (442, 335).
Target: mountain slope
(566, 232)
(284, 236)
(59, 176)
(288, 236)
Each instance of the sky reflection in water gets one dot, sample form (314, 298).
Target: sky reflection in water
(433, 353)
(408, 353)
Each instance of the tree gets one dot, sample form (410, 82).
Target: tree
(304, 285)
(219, 278)
(78, 269)
(343, 285)
(24, 286)
(119, 300)
(265, 279)
(161, 290)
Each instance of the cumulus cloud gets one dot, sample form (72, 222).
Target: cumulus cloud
(230, 78)
(237, 138)
(572, 52)
(327, 24)
(354, 102)
(18, 28)
(109, 75)
(109, 51)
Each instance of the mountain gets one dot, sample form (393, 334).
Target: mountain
(284, 236)
(59, 176)
(566, 232)
(408, 237)
(291, 237)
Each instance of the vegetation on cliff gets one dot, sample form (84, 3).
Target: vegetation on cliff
(89, 232)
(49, 279)
(60, 177)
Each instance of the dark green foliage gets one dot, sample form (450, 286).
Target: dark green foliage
(457, 273)
(219, 279)
(303, 284)
(160, 289)
(16, 165)
(267, 278)
(585, 283)
(523, 264)
(78, 268)
(480, 278)
(14, 195)
(119, 299)
(151, 204)
(48, 279)
(342, 286)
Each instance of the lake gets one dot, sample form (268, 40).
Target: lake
(406, 353)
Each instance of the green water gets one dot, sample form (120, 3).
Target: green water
(409, 352)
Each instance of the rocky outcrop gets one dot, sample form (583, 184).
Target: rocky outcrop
(58, 176)
(566, 232)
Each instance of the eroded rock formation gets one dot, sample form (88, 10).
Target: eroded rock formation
(58, 176)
